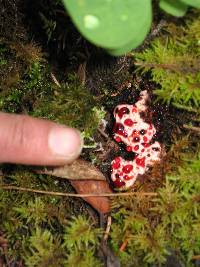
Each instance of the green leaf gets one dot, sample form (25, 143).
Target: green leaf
(174, 7)
(116, 25)
(137, 40)
(194, 3)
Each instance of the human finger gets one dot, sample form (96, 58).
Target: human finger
(28, 140)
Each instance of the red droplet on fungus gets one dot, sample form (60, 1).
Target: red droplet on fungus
(134, 109)
(126, 177)
(129, 148)
(136, 147)
(135, 132)
(118, 139)
(119, 183)
(123, 111)
(145, 139)
(116, 165)
(125, 134)
(127, 168)
(117, 159)
(136, 139)
(128, 122)
(119, 129)
(140, 162)
(145, 144)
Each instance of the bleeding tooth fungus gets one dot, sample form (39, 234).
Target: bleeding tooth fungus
(131, 129)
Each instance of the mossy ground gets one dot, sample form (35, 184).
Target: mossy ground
(48, 70)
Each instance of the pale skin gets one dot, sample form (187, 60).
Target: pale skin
(27, 140)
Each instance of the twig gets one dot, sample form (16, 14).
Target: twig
(103, 133)
(193, 128)
(55, 80)
(109, 221)
(124, 244)
(24, 189)
(196, 257)
(82, 73)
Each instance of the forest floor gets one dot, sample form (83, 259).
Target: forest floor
(42, 30)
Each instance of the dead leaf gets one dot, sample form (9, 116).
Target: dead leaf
(101, 204)
(86, 179)
(78, 170)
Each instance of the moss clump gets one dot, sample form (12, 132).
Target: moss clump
(76, 248)
(73, 105)
(42, 232)
(24, 76)
(173, 61)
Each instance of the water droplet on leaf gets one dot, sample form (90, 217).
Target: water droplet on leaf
(123, 17)
(90, 22)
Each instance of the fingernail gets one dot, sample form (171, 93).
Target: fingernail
(65, 142)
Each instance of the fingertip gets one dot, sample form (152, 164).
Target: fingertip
(65, 143)
(27, 140)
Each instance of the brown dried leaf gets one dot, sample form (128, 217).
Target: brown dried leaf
(78, 170)
(101, 204)
(86, 179)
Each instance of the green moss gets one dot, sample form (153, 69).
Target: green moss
(73, 105)
(173, 61)
(23, 78)
(43, 250)
(81, 242)
(40, 232)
